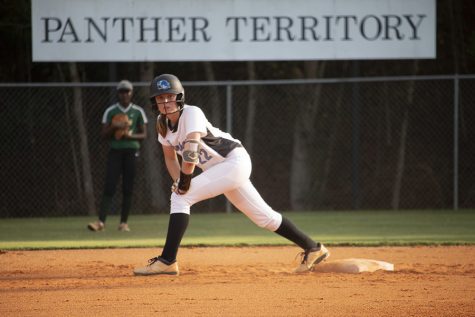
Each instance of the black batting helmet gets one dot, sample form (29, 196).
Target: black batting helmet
(167, 84)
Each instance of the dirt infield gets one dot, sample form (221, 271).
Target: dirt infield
(254, 281)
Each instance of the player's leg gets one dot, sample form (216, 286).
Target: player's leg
(113, 170)
(216, 180)
(210, 183)
(128, 176)
(247, 199)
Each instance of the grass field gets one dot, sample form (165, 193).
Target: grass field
(360, 228)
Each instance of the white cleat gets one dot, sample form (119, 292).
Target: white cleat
(123, 227)
(96, 226)
(156, 266)
(312, 257)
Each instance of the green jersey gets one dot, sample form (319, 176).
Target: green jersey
(135, 114)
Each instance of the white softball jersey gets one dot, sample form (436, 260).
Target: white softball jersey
(226, 169)
(215, 144)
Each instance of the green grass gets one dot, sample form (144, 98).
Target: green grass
(361, 228)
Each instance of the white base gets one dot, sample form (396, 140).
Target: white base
(353, 266)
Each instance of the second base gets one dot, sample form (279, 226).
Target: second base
(353, 266)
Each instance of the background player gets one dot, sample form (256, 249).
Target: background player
(124, 137)
(226, 165)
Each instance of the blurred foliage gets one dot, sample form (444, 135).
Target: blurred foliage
(455, 35)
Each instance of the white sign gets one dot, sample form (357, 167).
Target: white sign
(232, 30)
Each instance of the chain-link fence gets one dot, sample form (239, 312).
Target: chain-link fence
(361, 143)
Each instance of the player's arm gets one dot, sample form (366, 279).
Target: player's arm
(191, 153)
(171, 161)
(190, 159)
(142, 133)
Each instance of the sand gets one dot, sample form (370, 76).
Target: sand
(250, 281)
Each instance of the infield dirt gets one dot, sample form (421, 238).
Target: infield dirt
(249, 281)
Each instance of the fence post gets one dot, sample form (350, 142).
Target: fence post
(456, 142)
(229, 124)
(355, 137)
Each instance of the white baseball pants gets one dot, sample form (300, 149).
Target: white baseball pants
(231, 178)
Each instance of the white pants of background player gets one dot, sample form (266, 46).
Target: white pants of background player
(231, 178)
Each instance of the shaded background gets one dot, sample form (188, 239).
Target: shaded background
(386, 143)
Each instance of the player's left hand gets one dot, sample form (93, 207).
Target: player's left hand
(175, 185)
(177, 190)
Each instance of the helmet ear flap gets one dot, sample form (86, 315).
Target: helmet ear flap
(180, 100)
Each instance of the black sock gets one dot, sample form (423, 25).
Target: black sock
(289, 231)
(105, 207)
(126, 203)
(176, 229)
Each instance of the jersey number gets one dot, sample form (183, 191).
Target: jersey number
(204, 156)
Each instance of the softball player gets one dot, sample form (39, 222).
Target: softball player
(123, 153)
(184, 130)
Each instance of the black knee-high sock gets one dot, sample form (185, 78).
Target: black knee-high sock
(176, 229)
(289, 231)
